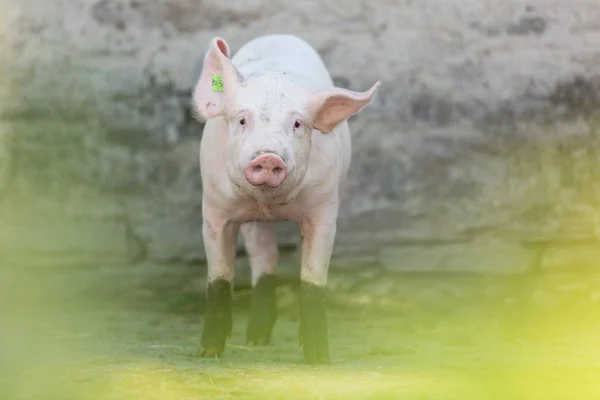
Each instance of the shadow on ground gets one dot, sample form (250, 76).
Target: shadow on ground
(124, 332)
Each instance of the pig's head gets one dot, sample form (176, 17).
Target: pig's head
(270, 120)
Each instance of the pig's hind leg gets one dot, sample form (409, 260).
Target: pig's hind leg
(261, 245)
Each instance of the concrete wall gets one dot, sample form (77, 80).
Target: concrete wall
(482, 144)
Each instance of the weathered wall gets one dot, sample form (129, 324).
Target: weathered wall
(482, 143)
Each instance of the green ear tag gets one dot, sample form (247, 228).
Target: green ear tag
(217, 84)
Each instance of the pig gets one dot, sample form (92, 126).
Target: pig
(275, 147)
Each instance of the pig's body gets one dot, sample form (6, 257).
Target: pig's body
(276, 146)
(267, 56)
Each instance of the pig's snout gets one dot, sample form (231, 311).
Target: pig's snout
(266, 169)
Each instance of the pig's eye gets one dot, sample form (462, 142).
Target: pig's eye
(242, 121)
(297, 124)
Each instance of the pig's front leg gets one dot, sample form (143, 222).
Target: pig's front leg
(318, 235)
(220, 244)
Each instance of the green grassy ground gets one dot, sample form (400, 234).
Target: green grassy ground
(131, 332)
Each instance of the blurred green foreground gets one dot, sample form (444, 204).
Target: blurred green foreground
(130, 332)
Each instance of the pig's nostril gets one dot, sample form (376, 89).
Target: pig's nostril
(258, 168)
(277, 170)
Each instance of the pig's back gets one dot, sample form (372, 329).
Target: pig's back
(283, 54)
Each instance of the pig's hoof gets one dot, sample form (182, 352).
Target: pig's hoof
(313, 324)
(217, 319)
(264, 311)
(211, 352)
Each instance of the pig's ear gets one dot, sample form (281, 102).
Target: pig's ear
(329, 107)
(218, 81)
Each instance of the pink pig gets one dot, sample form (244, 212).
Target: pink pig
(276, 146)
